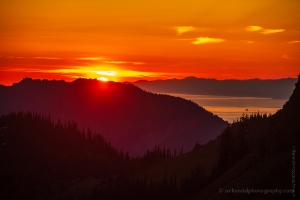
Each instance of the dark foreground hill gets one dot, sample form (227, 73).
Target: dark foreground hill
(38, 157)
(258, 157)
(132, 119)
(46, 160)
(278, 89)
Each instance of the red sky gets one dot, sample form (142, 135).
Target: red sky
(132, 40)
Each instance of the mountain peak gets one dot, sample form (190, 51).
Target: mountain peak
(293, 102)
(132, 119)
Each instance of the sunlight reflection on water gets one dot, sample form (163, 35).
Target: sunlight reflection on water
(230, 108)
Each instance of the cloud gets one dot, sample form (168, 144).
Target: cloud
(115, 62)
(253, 28)
(186, 39)
(138, 63)
(205, 40)
(184, 29)
(286, 57)
(91, 58)
(123, 62)
(107, 73)
(263, 30)
(248, 41)
(294, 42)
(12, 57)
(270, 31)
(47, 58)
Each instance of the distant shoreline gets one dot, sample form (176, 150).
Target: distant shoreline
(230, 108)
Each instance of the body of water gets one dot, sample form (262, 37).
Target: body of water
(230, 108)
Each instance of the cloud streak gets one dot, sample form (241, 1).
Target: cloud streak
(107, 73)
(115, 62)
(253, 28)
(184, 29)
(91, 58)
(294, 42)
(247, 41)
(270, 31)
(123, 62)
(286, 57)
(205, 40)
(47, 58)
(263, 30)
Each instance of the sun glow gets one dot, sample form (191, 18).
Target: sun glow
(132, 40)
(103, 79)
(107, 73)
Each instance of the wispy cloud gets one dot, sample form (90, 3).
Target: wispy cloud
(115, 62)
(286, 57)
(123, 62)
(107, 73)
(13, 57)
(184, 29)
(205, 40)
(247, 41)
(91, 58)
(186, 39)
(253, 28)
(294, 42)
(270, 31)
(71, 70)
(47, 58)
(138, 63)
(263, 30)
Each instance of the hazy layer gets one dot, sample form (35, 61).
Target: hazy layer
(230, 108)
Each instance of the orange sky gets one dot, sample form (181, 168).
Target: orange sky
(130, 40)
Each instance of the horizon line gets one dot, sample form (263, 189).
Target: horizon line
(144, 80)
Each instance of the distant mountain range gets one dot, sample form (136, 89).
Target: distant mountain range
(277, 89)
(130, 118)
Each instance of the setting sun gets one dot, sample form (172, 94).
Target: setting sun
(103, 79)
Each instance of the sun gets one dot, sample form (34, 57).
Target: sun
(103, 79)
(106, 74)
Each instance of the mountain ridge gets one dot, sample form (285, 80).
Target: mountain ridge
(132, 119)
(269, 88)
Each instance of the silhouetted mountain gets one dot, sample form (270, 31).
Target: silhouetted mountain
(259, 153)
(46, 160)
(280, 89)
(132, 119)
